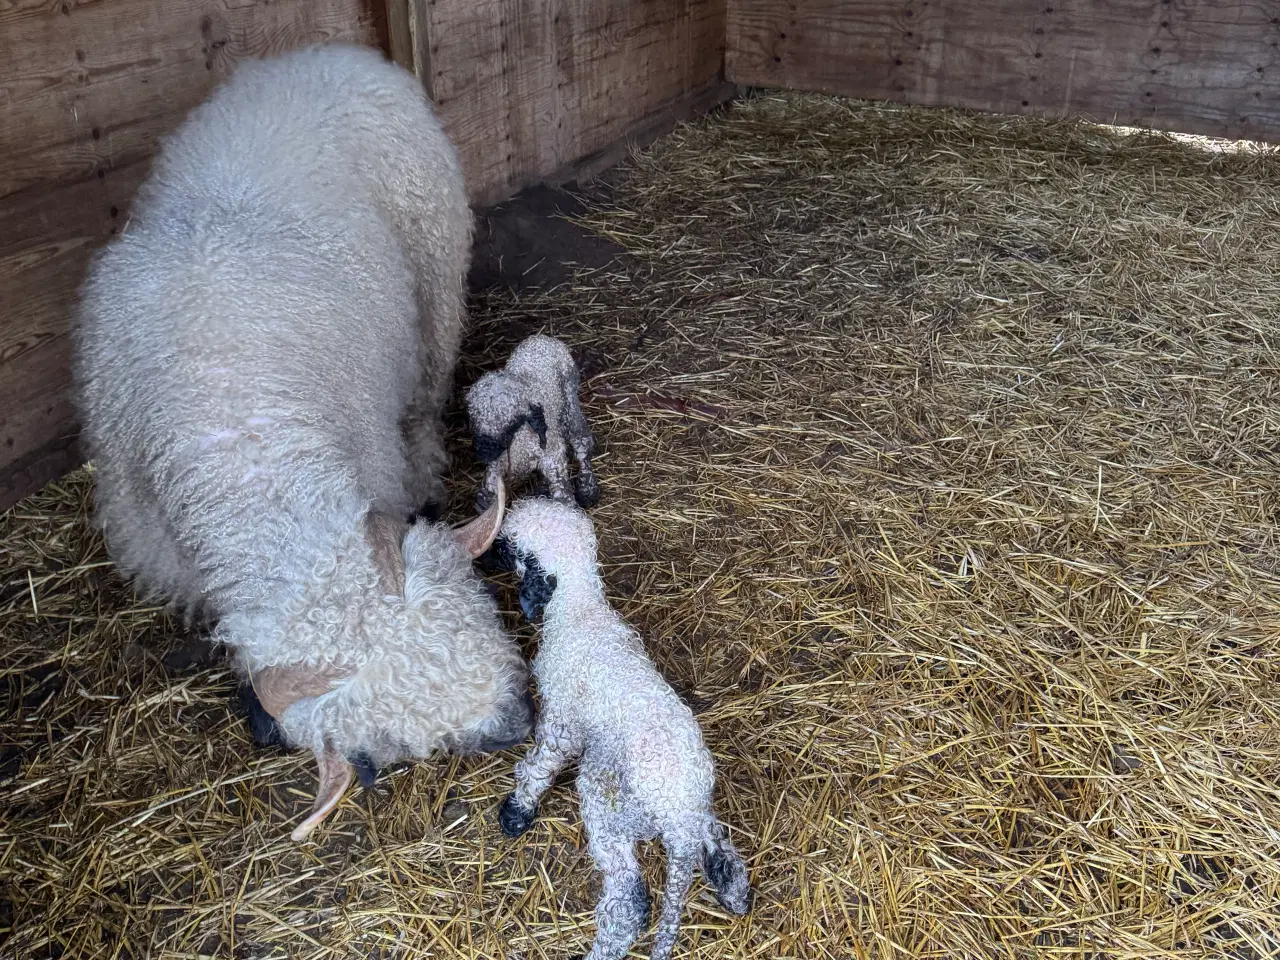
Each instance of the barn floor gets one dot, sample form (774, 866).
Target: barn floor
(942, 471)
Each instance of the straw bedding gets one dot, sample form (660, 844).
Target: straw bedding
(941, 472)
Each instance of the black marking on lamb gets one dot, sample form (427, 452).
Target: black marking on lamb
(586, 490)
(488, 449)
(641, 904)
(723, 871)
(499, 558)
(513, 820)
(536, 588)
(537, 420)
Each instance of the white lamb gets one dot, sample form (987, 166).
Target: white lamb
(261, 360)
(527, 416)
(643, 770)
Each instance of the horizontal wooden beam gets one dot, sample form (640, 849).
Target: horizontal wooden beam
(1209, 67)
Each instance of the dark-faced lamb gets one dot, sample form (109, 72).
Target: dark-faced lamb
(643, 769)
(527, 417)
(261, 359)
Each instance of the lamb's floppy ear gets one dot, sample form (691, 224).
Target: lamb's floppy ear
(278, 688)
(384, 534)
(476, 536)
(537, 420)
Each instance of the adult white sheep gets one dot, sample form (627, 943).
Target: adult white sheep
(261, 360)
(643, 770)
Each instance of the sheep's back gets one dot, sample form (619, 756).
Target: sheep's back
(244, 350)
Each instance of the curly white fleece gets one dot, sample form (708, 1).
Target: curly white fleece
(644, 771)
(261, 358)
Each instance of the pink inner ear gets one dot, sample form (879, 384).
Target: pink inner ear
(477, 535)
(335, 777)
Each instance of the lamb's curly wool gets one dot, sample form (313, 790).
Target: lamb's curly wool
(261, 360)
(643, 769)
(527, 416)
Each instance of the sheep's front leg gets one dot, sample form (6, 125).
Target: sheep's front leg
(552, 750)
(442, 315)
(623, 910)
(423, 430)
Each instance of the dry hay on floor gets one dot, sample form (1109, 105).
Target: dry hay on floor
(940, 473)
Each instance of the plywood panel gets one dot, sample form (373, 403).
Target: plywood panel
(85, 83)
(86, 88)
(529, 87)
(1201, 66)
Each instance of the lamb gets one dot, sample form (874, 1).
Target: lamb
(643, 770)
(261, 360)
(527, 417)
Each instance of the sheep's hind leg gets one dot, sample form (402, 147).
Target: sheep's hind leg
(578, 432)
(623, 910)
(550, 753)
(681, 861)
(554, 467)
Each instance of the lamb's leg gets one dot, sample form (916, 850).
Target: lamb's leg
(681, 860)
(551, 752)
(623, 910)
(554, 467)
(578, 432)
(488, 491)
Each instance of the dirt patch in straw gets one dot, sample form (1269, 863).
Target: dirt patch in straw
(941, 468)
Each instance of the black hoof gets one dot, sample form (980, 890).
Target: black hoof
(512, 819)
(262, 726)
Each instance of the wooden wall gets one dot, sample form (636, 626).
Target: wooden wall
(535, 89)
(85, 90)
(1199, 66)
(530, 90)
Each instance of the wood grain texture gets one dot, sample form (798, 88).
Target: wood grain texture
(1209, 67)
(395, 18)
(528, 87)
(86, 89)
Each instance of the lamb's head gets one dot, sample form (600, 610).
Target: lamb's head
(409, 656)
(498, 408)
(546, 542)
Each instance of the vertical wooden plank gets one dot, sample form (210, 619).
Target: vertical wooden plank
(1210, 67)
(399, 41)
(527, 88)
